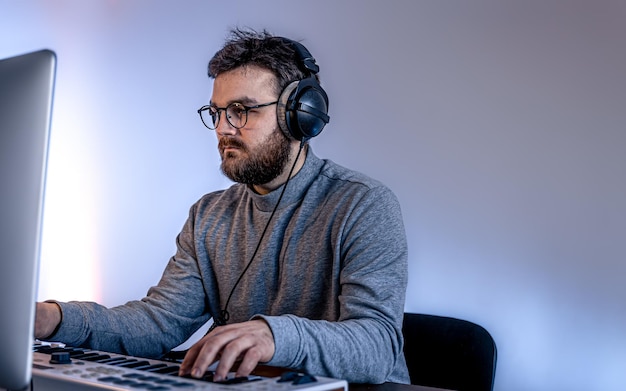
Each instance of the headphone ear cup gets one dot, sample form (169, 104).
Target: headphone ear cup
(302, 109)
(281, 109)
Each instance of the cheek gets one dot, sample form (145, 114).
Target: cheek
(256, 137)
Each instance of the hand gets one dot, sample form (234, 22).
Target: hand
(251, 341)
(47, 318)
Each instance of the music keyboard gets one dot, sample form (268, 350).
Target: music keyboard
(61, 367)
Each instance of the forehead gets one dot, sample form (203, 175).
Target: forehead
(247, 85)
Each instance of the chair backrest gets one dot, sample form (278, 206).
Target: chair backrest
(449, 353)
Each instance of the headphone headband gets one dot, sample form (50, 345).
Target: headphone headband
(306, 60)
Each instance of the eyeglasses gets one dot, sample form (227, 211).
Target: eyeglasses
(236, 114)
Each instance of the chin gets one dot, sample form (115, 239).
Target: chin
(230, 155)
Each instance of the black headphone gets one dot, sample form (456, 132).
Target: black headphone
(302, 108)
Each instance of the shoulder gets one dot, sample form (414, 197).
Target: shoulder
(340, 177)
(220, 198)
(351, 192)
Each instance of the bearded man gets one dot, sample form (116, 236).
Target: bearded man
(301, 263)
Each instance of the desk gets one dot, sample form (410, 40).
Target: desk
(264, 370)
(391, 387)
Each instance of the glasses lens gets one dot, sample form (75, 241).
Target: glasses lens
(209, 116)
(237, 115)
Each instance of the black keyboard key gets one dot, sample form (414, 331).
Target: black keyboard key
(85, 356)
(183, 384)
(238, 380)
(108, 379)
(113, 360)
(152, 367)
(96, 358)
(304, 379)
(135, 365)
(124, 382)
(140, 385)
(173, 370)
(148, 378)
(165, 381)
(296, 378)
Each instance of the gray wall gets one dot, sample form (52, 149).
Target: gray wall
(499, 125)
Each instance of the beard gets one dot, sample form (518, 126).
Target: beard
(263, 163)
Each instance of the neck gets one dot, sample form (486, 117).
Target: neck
(282, 178)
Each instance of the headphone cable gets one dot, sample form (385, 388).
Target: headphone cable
(224, 315)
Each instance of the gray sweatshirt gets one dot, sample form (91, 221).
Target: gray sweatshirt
(329, 278)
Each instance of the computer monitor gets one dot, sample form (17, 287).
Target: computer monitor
(26, 89)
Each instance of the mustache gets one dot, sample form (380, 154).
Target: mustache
(230, 142)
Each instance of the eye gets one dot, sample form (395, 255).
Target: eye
(236, 110)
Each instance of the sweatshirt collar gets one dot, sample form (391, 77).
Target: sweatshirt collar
(296, 186)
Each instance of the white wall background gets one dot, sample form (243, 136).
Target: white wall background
(499, 124)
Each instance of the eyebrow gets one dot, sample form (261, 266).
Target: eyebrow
(244, 100)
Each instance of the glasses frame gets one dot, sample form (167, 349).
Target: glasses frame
(218, 111)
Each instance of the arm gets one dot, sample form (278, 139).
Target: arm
(365, 344)
(150, 327)
(362, 341)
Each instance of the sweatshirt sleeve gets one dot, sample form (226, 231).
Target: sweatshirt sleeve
(365, 344)
(169, 313)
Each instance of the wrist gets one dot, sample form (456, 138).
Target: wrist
(51, 317)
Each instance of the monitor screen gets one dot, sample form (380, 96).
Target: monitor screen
(26, 89)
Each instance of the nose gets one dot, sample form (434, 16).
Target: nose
(223, 126)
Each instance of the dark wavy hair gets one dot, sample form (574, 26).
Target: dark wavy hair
(249, 47)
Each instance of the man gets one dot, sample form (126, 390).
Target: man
(302, 264)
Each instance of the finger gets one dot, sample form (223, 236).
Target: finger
(209, 349)
(199, 357)
(190, 358)
(250, 360)
(230, 354)
(249, 349)
(208, 354)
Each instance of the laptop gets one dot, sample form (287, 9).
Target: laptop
(26, 89)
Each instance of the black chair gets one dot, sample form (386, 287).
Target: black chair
(450, 353)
